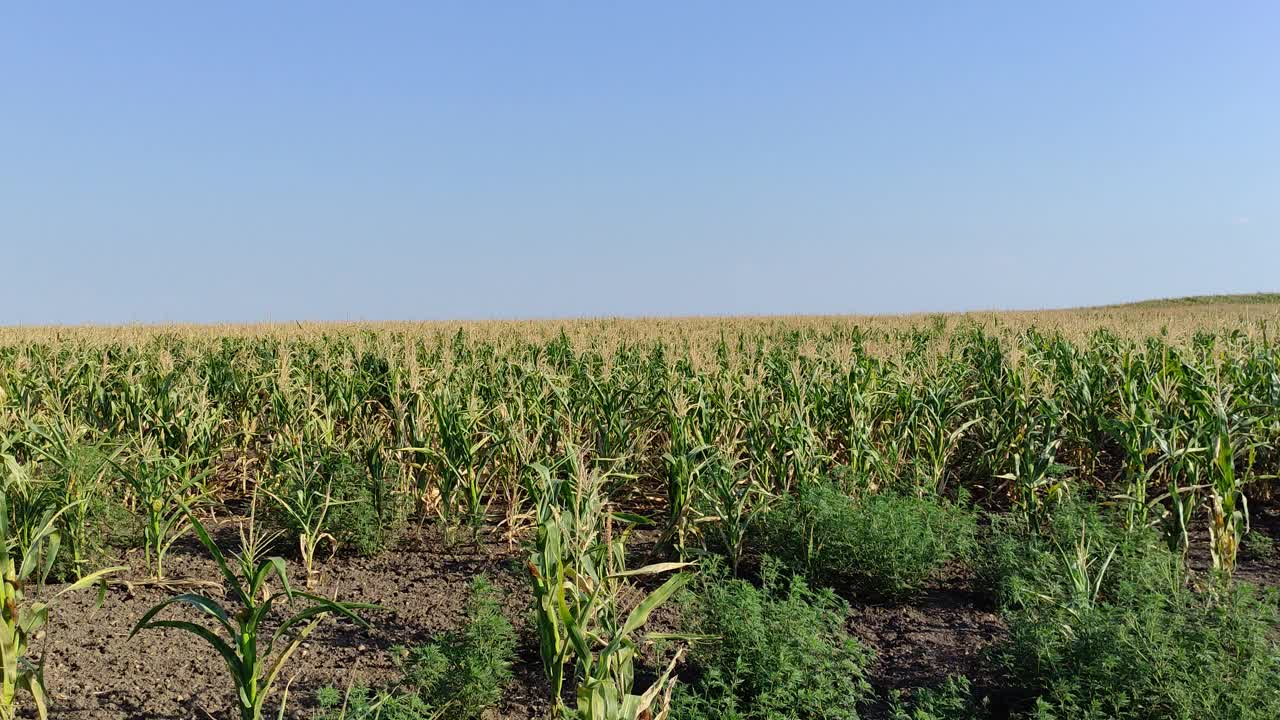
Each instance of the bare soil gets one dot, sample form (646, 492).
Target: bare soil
(920, 642)
(94, 670)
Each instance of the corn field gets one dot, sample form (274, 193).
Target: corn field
(566, 443)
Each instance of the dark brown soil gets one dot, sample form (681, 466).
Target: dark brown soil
(93, 670)
(1263, 571)
(922, 641)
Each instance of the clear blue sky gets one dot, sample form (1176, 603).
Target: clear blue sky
(277, 161)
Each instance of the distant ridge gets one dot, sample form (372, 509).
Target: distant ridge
(1240, 299)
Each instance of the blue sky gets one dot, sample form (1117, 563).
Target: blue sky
(344, 161)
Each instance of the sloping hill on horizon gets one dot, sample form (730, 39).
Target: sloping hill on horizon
(1259, 298)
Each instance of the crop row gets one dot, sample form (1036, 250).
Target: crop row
(344, 439)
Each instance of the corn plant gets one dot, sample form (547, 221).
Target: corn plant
(732, 501)
(307, 508)
(684, 464)
(253, 659)
(1085, 570)
(460, 460)
(525, 431)
(21, 620)
(387, 481)
(80, 469)
(758, 436)
(938, 428)
(1183, 468)
(554, 560)
(1137, 432)
(1228, 506)
(1036, 483)
(30, 504)
(1229, 509)
(606, 654)
(864, 414)
(576, 572)
(163, 486)
(612, 417)
(1009, 409)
